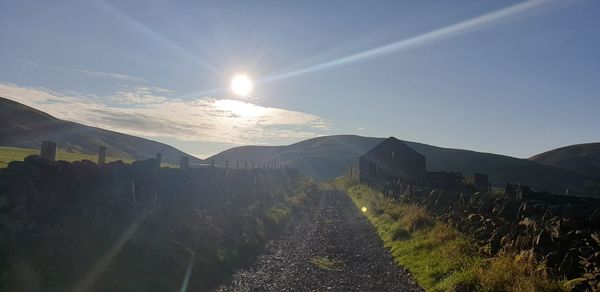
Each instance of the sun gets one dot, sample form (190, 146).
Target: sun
(241, 84)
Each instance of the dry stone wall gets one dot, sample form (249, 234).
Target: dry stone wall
(58, 220)
(561, 232)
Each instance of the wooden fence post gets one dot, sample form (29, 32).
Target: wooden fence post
(184, 163)
(48, 150)
(102, 155)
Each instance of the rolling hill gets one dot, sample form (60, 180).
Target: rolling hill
(23, 126)
(322, 158)
(580, 158)
(328, 157)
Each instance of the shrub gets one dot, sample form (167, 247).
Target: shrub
(278, 214)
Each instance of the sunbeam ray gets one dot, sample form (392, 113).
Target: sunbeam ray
(156, 36)
(428, 37)
(90, 277)
(188, 274)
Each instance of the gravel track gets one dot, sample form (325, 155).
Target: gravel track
(337, 231)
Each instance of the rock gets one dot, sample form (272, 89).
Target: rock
(543, 239)
(495, 243)
(552, 259)
(569, 264)
(489, 224)
(585, 263)
(510, 210)
(586, 251)
(596, 237)
(486, 208)
(554, 226)
(527, 223)
(474, 218)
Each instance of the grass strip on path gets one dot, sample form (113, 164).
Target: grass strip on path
(326, 263)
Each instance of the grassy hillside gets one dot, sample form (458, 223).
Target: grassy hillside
(8, 154)
(26, 127)
(328, 157)
(581, 158)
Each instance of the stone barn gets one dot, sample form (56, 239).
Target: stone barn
(391, 159)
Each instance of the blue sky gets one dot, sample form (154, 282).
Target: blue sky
(508, 77)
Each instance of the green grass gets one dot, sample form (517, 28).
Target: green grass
(326, 263)
(437, 255)
(8, 154)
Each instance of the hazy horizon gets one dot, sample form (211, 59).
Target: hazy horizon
(514, 78)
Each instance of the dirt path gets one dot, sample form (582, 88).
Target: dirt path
(333, 249)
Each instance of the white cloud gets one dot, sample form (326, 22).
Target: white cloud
(140, 95)
(151, 114)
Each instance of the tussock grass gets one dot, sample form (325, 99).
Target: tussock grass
(415, 218)
(437, 255)
(516, 273)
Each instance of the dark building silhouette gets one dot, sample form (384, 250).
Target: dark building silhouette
(391, 159)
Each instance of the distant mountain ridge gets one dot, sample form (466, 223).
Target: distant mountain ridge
(23, 126)
(580, 158)
(328, 157)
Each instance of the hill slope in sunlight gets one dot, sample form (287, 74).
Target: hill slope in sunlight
(328, 157)
(581, 158)
(23, 126)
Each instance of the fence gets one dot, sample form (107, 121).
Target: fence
(48, 151)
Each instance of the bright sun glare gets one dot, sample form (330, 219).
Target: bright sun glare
(241, 85)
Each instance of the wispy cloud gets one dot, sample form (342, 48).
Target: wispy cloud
(203, 120)
(108, 75)
(27, 62)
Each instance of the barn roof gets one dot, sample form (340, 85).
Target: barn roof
(393, 143)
